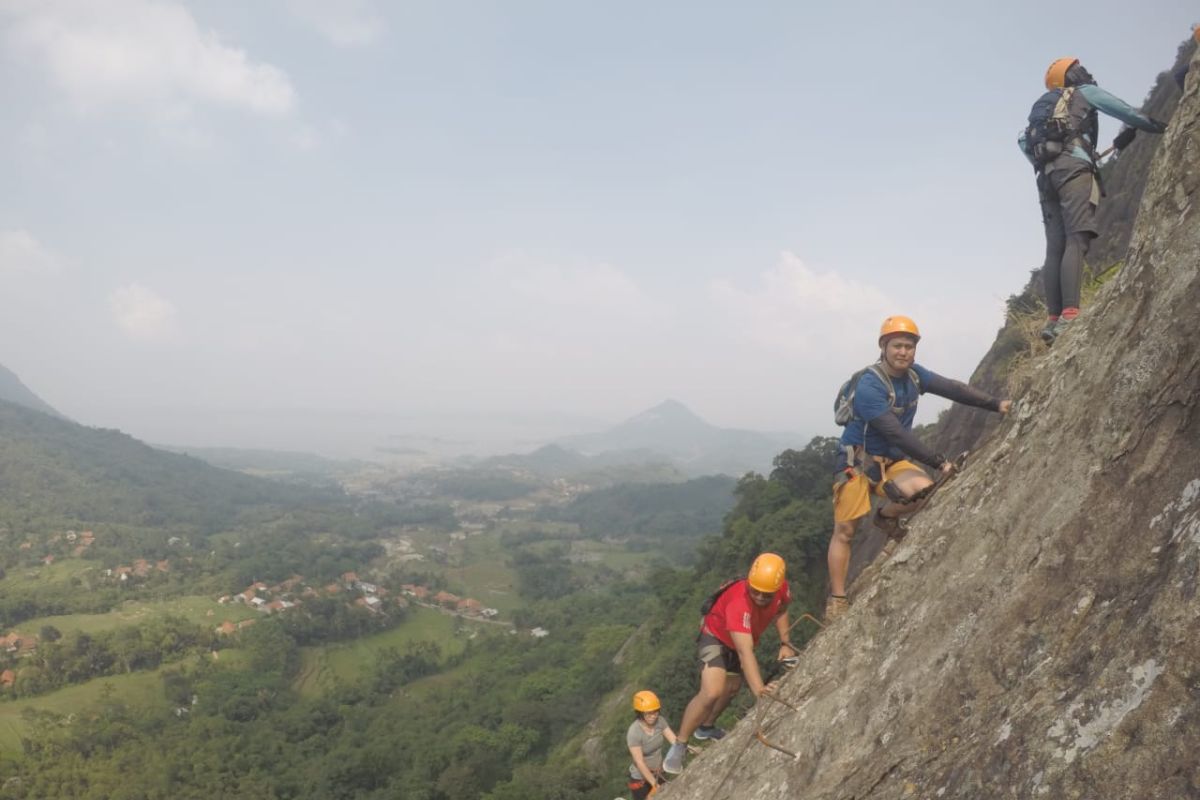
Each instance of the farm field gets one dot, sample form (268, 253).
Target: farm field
(320, 667)
(137, 689)
(194, 608)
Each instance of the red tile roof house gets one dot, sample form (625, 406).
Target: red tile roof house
(470, 606)
(446, 599)
(18, 643)
(226, 627)
(8, 678)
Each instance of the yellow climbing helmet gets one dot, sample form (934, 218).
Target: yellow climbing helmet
(646, 701)
(767, 573)
(1056, 76)
(897, 325)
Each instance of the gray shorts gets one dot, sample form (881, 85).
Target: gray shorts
(1069, 192)
(712, 652)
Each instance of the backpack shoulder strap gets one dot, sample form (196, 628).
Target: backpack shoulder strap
(915, 378)
(878, 371)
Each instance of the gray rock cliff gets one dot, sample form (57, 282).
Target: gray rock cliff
(1038, 632)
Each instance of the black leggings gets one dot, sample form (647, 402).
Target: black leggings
(1068, 216)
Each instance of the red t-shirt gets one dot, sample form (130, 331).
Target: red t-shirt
(735, 612)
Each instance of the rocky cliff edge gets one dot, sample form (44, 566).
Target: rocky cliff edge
(1038, 633)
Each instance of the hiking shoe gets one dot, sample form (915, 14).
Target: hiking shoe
(895, 527)
(673, 763)
(1056, 329)
(709, 732)
(1047, 333)
(835, 607)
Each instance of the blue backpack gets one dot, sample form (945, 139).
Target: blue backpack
(1050, 127)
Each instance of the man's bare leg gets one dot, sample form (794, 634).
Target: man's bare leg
(699, 709)
(839, 556)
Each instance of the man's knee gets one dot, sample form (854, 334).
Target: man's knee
(1082, 240)
(713, 684)
(911, 482)
(843, 532)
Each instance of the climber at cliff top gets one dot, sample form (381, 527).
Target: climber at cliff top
(877, 406)
(1060, 142)
(732, 625)
(1181, 72)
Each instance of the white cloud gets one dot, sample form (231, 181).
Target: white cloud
(142, 313)
(796, 308)
(590, 289)
(142, 52)
(20, 252)
(346, 23)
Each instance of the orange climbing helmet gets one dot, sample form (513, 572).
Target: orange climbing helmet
(645, 702)
(897, 325)
(1056, 76)
(767, 573)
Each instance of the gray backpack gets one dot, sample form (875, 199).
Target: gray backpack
(843, 405)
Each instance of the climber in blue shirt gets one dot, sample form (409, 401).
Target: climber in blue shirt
(878, 443)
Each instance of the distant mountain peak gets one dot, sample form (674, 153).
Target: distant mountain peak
(667, 412)
(12, 390)
(673, 432)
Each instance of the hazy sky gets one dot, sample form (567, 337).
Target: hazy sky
(219, 216)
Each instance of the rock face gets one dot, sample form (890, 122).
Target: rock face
(1038, 632)
(1124, 182)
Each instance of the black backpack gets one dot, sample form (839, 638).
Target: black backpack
(707, 605)
(1050, 126)
(843, 404)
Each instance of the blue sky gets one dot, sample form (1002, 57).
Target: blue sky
(219, 217)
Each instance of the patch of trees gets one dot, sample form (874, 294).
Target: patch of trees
(396, 733)
(484, 485)
(332, 619)
(544, 574)
(666, 516)
(60, 660)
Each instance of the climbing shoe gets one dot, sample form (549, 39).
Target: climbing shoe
(834, 607)
(709, 732)
(673, 763)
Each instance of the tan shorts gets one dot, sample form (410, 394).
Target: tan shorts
(852, 497)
